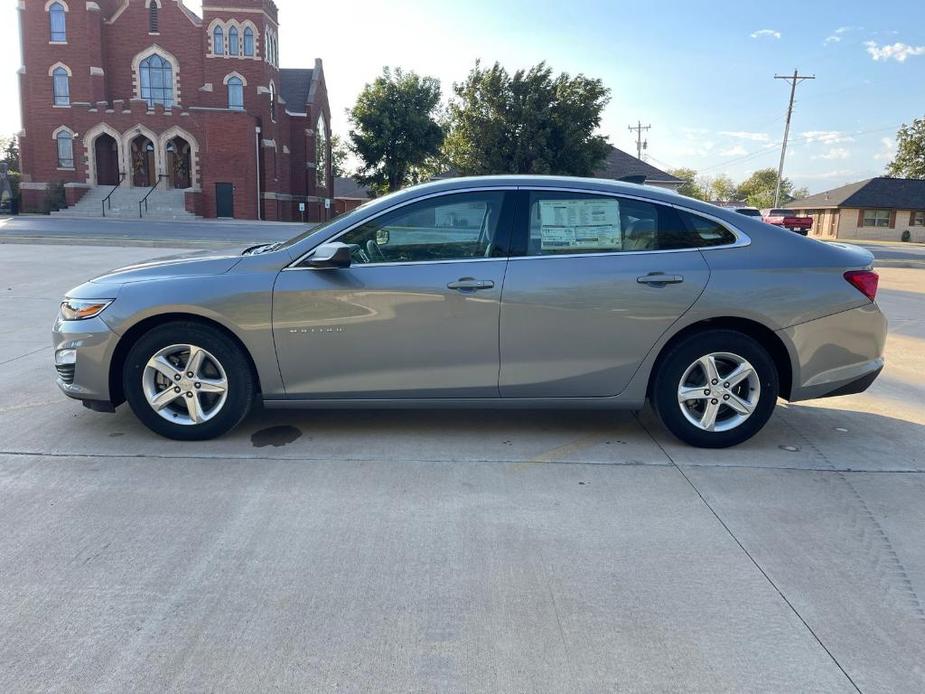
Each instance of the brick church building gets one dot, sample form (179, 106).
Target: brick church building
(144, 94)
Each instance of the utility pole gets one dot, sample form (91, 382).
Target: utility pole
(640, 144)
(794, 80)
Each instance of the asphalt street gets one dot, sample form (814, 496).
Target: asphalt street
(454, 551)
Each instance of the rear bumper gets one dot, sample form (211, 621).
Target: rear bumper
(836, 355)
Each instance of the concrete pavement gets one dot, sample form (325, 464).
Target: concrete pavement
(479, 551)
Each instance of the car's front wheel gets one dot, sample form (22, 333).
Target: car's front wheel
(715, 389)
(188, 381)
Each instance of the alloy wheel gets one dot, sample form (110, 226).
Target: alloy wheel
(719, 391)
(185, 384)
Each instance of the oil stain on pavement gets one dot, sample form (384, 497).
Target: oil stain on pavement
(277, 436)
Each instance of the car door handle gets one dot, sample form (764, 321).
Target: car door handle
(659, 279)
(470, 283)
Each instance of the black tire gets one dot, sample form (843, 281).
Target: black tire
(675, 363)
(241, 388)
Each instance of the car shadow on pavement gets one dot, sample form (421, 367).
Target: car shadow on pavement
(797, 436)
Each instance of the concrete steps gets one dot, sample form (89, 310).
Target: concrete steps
(162, 204)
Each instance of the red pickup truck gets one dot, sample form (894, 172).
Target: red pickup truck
(788, 220)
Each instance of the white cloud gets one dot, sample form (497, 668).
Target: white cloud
(766, 34)
(831, 39)
(746, 135)
(835, 153)
(844, 30)
(826, 137)
(898, 51)
(888, 149)
(736, 151)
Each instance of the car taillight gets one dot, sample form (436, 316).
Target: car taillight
(864, 281)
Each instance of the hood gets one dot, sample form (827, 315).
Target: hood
(199, 264)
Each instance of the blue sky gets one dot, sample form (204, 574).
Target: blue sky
(700, 72)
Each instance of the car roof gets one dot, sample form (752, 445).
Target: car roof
(654, 193)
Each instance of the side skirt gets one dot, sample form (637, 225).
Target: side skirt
(614, 403)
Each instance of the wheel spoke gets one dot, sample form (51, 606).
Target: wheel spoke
(164, 398)
(708, 364)
(196, 357)
(194, 408)
(741, 372)
(708, 420)
(686, 393)
(212, 385)
(739, 405)
(164, 367)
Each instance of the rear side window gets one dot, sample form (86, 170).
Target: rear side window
(700, 232)
(581, 223)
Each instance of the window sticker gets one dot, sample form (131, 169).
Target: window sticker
(580, 224)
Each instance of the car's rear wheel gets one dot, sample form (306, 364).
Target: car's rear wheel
(715, 389)
(188, 381)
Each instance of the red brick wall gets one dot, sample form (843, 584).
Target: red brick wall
(226, 139)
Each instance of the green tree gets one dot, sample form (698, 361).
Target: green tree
(395, 127)
(531, 122)
(722, 188)
(339, 155)
(799, 193)
(758, 189)
(691, 187)
(9, 152)
(909, 161)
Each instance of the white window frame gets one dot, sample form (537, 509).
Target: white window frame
(56, 98)
(242, 83)
(876, 217)
(57, 138)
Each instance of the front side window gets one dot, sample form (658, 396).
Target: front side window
(249, 42)
(61, 85)
(235, 93)
(452, 227)
(58, 20)
(218, 41)
(578, 223)
(917, 219)
(876, 218)
(156, 75)
(65, 143)
(233, 41)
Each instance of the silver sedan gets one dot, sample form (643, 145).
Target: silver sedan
(486, 292)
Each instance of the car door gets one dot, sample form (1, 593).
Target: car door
(593, 282)
(414, 316)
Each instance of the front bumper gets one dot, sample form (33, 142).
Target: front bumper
(93, 344)
(839, 354)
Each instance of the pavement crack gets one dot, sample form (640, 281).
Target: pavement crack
(750, 557)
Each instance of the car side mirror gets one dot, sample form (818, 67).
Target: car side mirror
(332, 255)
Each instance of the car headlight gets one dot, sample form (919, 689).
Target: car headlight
(81, 309)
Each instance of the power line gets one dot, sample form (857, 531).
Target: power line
(805, 138)
(794, 80)
(640, 144)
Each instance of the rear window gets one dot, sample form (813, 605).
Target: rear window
(749, 212)
(780, 213)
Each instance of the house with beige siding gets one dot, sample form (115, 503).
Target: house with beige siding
(877, 209)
